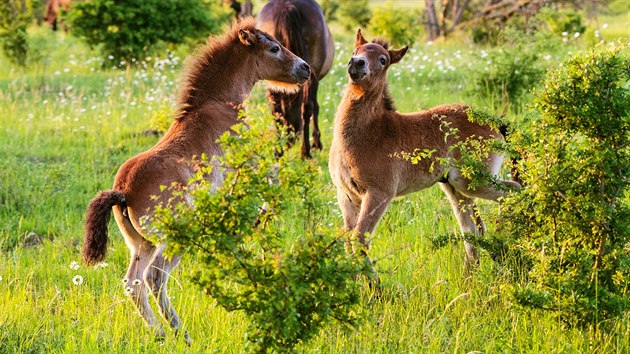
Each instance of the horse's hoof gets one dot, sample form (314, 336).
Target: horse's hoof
(317, 145)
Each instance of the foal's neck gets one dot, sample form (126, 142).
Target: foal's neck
(361, 109)
(224, 77)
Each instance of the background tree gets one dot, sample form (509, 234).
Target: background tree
(354, 14)
(15, 17)
(397, 25)
(128, 30)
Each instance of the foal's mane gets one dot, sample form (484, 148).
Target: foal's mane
(196, 70)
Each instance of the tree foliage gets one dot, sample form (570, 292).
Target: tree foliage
(353, 14)
(127, 30)
(288, 282)
(571, 222)
(397, 25)
(15, 17)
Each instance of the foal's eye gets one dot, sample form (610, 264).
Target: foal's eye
(275, 49)
(383, 61)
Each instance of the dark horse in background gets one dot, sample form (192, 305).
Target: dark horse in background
(300, 26)
(53, 8)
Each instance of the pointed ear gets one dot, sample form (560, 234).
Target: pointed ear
(396, 55)
(359, 40)
(247, 37)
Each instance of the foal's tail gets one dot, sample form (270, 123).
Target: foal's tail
(98, 213)
(514, 172)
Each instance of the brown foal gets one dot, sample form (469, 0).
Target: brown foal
(368, 132)
(217, 82)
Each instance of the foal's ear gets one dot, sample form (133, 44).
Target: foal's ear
(359, 40)
(247, 37)
(396, 55)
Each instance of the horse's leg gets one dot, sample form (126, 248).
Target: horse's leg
(350, 212)
(317, 143)
(156, 277)
(141, 254)
(136, 288)
(373, 207)
(469, 221)
(307, 112)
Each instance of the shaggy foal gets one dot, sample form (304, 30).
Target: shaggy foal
(368, 132)
(217, 82)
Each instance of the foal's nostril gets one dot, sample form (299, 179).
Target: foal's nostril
(305, 67)
(360, 63)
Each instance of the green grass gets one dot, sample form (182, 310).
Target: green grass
(66, 126)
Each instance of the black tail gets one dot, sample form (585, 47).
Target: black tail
(503, 129)
(98, 213)
(289, 31)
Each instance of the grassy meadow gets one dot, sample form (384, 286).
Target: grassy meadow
(66, 125)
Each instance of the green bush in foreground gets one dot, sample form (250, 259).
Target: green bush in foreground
(571, 222)
(127, 30)
(289, 285)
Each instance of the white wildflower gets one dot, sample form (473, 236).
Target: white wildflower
(74, 265)
(77, 280)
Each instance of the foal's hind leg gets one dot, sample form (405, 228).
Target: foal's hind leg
(156, 277)
(136, 287)
(469, 221)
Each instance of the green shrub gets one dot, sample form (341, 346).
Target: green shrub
(288, 282)
(15, 16)
(559, 22)
(508, 74)
(354, 14)
(572, 219)
(397, 25)
(129, 30)
(329, 7)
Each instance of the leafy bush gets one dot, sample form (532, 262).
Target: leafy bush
(288, 285)
(353, 14)
(15, 16)
(559, 22)
(572, 219)
(511, 71)
(329, 7)
(397, 25)
(128, 30)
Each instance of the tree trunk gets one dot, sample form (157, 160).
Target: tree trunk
(433, 25)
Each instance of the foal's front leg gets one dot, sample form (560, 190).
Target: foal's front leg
(373, 207)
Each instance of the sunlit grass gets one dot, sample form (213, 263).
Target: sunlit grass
(67, 125)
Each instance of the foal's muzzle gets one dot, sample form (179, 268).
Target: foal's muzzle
(357, 68)
(303, 71)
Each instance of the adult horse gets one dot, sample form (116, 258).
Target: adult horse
(241, 10)
(53, 7)
(300, 26)
(216, 83)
